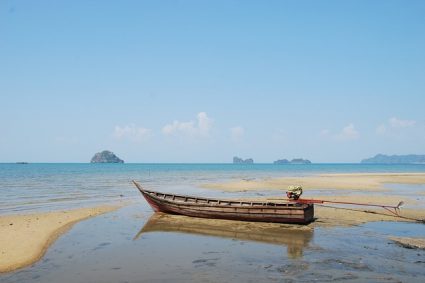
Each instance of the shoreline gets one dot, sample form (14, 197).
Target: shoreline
(344, 181)
(367, 188)
(25, 238)
(334, 215)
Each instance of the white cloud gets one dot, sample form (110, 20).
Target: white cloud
(347, 133)
(204, 124)
(176, 126)
(398, 123)
(237, 133)
(201, 127)
(394, 124)
(132, 133)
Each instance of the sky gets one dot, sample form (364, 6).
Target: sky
(203, 81)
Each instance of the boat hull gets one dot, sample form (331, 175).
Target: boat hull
(232, 210)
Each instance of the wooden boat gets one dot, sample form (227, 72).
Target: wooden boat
(279, 212)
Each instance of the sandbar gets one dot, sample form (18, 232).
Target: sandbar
(367, 188)
(24, 239)
(409, 243)
(355, 181)
(332, 215)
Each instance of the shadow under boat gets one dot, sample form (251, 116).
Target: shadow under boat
(294, 237)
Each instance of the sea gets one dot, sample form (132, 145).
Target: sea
(132, 245)
(46, 186)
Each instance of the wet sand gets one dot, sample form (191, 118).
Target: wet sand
(132, 245)
(410, 243)
(359, 188)
(24, 239)
(326, 217)
(357, 181)
(332, 215)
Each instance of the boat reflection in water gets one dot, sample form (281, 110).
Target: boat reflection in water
(294, 237)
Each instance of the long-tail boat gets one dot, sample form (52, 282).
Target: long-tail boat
(279, 212)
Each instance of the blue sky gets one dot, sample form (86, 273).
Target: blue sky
(203, 81)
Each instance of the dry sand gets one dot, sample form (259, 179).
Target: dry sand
(410, 243)
(359, 181)
(25, 238)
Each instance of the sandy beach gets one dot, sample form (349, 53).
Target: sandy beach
(25, 238)
(331, 215)
(355, 181)
(358, 187)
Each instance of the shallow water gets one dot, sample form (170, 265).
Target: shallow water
(43, 187)
(125, 246)
(131, 245)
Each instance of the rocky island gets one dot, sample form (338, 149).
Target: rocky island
(106, 156)
(293, 161)
(394, 159)
(238, 160)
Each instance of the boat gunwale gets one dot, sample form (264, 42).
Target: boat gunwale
(252, 211)
(218, 203)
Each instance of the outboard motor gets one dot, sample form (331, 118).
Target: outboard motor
(294, 192)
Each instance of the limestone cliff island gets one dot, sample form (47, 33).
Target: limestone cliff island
(396, 159)
(238, 160)
(293, 161)
(106, 156)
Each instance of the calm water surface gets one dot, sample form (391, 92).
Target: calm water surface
(134, 245)
(39, 187)
(125, 246)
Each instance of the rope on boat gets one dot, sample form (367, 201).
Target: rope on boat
(375, 212)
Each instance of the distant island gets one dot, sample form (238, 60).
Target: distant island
(293, 161)
(237, 160)
(106, 156)
(393, 159)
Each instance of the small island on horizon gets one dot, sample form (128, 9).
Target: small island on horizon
(396, 159)
(238, 160)
(293, 161)
(106, 156)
